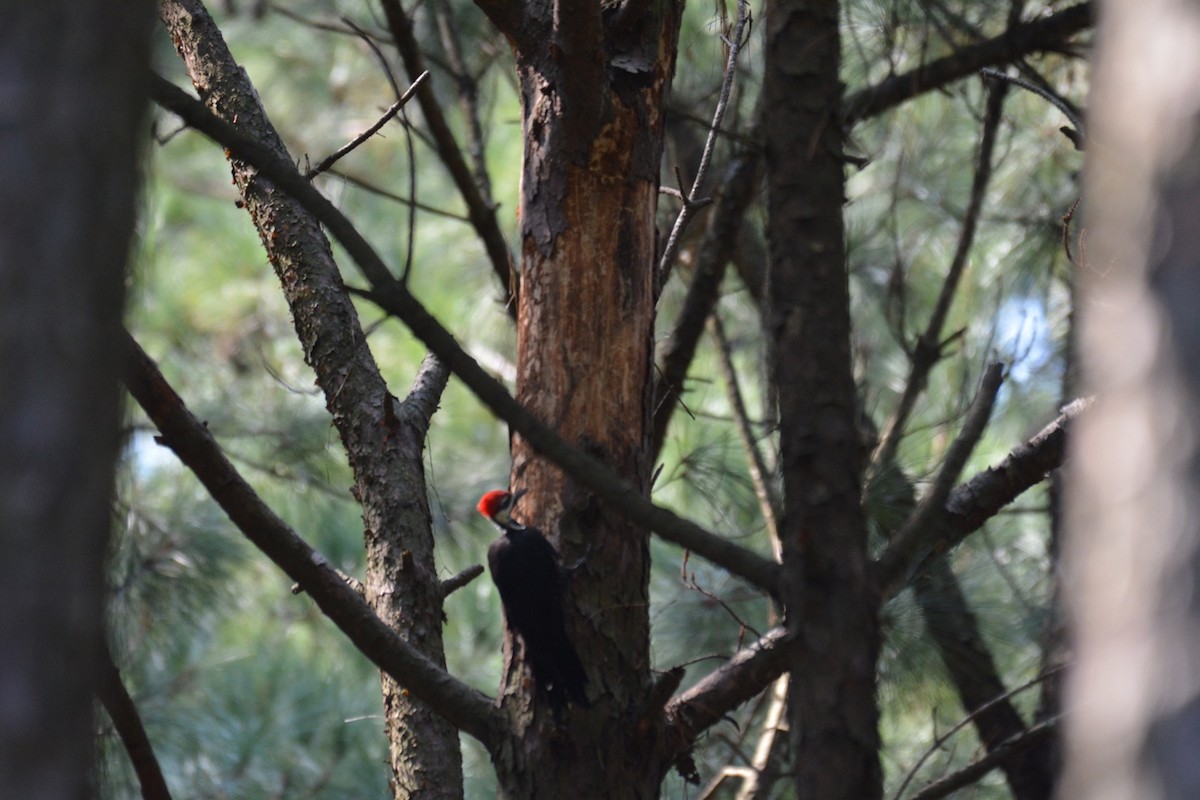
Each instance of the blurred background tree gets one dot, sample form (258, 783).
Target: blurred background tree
(956, 191)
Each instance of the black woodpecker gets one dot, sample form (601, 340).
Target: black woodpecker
(529, 574)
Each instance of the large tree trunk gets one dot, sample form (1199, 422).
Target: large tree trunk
(831, 603)
(383, 438)
(73, 78)
(1133, 546)
(592, 86)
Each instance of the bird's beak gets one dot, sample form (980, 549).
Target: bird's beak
(517, 496)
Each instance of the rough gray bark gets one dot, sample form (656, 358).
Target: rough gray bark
(382, 440)
(71, 75)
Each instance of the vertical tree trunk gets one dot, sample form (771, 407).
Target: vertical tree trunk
(383, 439)
(830, 598)
(73, 84)
(592, 86)
(1133, 518)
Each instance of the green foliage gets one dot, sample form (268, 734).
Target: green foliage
(249, 692)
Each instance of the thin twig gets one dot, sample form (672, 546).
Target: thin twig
(928, 348)
(1030, 737)
(764, 490)
(347, 148)
(468, 96)
(367, 186)
(1050, 97)
(1066, 231)
(962, 723)
(456, 582)
(481, 212)
(410, 246)
(692, 202)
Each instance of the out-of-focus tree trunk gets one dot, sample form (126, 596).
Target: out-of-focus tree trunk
(71, 78)
(1133, 552)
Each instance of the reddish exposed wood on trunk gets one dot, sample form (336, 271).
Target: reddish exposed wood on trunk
(592, 92)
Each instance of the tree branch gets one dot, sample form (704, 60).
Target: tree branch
(714, 252)
(481, 213)
(348, 147)
(975, 502)
(465, 707)
(128, 723)
(969, 774)
(929, 347)
(1044, 33)
(910, 542)
(727, 687)
(421, 403)
(692, 201)
(394, 298)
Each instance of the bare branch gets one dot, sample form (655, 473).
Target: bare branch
(456, 582)
(693, 201)
(742, 677)
(1032, 737)
(713, 254)
(378, 191)
(768, 498)
(468, 96)
(929, 346)
(465, 707)
(1078, 135)
(349, 147)
(1039, 35)
(481, 213)
(128, 723)
(393, 297)
(764, 766)
(973, 503)
(421, 403)
(962, 723)
(911, 541)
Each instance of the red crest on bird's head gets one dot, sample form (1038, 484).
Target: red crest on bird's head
(496, 505)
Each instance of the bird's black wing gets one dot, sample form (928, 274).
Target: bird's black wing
(528, 573)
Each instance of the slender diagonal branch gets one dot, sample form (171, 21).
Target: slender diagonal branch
(349, 146)
(962, 723)
(929, 347)
(1039, 35)
(128, 723)
(481, 213)
(1031, 737)
(716, 249)
(979, 499)
(468, 96)
(908, 543)
(768, 497)
(465, 707)
(692, 202)
(1050, 97)
(394, 298)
